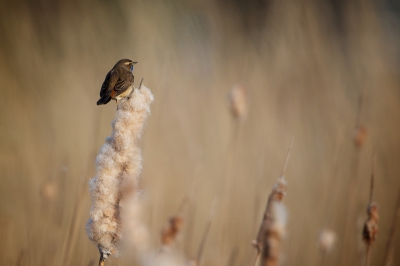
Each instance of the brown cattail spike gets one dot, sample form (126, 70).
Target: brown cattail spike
(371, 225)
(276, 196)
(370, 229)
(271, 248)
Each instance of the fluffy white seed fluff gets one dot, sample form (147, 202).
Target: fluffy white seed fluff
(118, 166)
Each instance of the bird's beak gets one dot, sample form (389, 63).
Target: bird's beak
(133, 63)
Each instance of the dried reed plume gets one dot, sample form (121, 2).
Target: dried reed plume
(272, 229)
(370, 229)
(118, 167)
(238, 102)
(326, 241)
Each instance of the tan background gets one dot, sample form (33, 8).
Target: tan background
(305, 64)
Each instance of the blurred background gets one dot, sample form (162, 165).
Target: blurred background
(326, 72)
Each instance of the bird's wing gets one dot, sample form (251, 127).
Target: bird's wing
(109, 82)
(124, 82)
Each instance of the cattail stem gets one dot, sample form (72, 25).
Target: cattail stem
(257, 258)
(367, 255)
(322, 258)
(368, 251)
(205, 235)
(101, 260)
(372, 178)
(287, 157)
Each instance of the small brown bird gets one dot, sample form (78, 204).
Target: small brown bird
(118, 83)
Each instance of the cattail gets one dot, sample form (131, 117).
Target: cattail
(238, 102)
(326, 240)
(371, 224)
(49, 191)
(370, 229)
(171, 231)
(272, 229)
(118, 167)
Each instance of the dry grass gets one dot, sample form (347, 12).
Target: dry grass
(304, 65)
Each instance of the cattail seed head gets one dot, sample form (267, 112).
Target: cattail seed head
(274, 234)
(272, 229)
(49, 190)
(114, 209)
(360, 136)
(238, 102)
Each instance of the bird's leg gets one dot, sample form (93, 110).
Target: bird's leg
(117, 103)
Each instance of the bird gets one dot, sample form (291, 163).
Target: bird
(118, 83)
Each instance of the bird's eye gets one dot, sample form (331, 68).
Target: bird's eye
(131, 67)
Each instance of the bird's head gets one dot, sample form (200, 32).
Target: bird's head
(126, 63)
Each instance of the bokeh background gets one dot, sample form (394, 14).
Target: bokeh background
(316, 70)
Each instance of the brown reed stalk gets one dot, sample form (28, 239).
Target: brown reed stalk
(359, 139)
(393, 230)
(233, 256)
(370, 229)
(272, 228)
(199, 256)
(361, 132)
(327, 237)
(190, 214)
(238, 106)
(118, 167)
